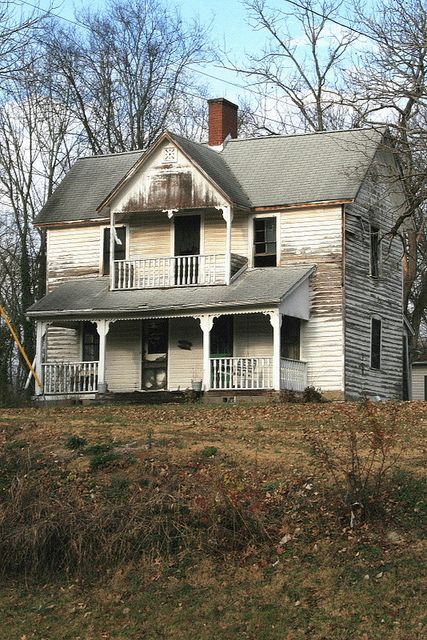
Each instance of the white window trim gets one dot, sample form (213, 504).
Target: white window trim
(251, 218)
(101, 244)
(376, 317)
(183, 214)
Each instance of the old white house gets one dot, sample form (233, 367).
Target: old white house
(246, 265)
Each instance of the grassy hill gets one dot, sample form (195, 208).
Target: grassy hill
(183, 521)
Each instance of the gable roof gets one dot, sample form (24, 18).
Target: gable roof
(253, 172)
(90, 297)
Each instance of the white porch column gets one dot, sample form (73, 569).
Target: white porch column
(112, 246)
(41, 328)
(206, 323)
(276, 323)
(227, 214)
(102, 327)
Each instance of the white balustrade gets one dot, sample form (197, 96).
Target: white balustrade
(241, 373)
(176, 271)
(70, 377)
(293, 374)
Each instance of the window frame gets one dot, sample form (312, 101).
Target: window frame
(374, 260)
(102, 271)
(380, 345)
(94, 332)
(251, 236)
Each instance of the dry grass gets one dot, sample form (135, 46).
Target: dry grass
(206, 522)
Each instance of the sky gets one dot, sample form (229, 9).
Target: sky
(229, 29)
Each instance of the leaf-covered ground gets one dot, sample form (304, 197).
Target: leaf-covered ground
(205, 522)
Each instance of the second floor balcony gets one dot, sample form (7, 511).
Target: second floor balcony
(175, 271)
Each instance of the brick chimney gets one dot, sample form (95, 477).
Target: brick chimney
(222, 121)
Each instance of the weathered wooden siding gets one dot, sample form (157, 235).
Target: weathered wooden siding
(419, 376)
(72, 253)
(367, 296)
(253, 336)
(123, 356)
(214, 233)
(184, 365)
(239, 233)
(149, 236)
(63, 344)
(314, 236)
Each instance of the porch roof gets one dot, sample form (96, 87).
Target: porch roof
(85, 298)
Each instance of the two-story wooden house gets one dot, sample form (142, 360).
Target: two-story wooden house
(245, 265)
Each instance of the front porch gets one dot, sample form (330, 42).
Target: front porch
(242, 352)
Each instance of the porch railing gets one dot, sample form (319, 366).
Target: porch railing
(176, 271)
(241, 373)
(70, 377)
(293, 374)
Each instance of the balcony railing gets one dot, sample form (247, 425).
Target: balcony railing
(175, 271)
(293, 374)
(241, 373)
(70, 377)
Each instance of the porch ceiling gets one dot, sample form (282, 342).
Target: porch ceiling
(92, 297)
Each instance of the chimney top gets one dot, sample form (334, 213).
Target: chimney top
(222, 121)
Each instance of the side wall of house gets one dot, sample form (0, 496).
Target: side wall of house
(72, 252)
(367, 296)
(313, 236)
(419, 384)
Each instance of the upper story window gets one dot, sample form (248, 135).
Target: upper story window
(119, 249)
(375, 247)
(376, 338)
(265, 245)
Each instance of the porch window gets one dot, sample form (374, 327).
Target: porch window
(222, 337)
(375, 251)
(90, 342)
(376, 331)
(290, 338)
(119, 249)
(265, 254)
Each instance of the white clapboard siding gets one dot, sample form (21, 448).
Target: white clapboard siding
(239, 233)
(123, 356)
(185, 364)
(214, 233)
(63, 344)
(314, 236)
(150, 235)
(419, 377)
(72, 253)
(253, 336)
(366, 296)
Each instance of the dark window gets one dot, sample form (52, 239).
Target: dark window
(222, 337)
(375, 343)
(90, 342)
(375, 252)
(119, 249)
(290, 338)
(155, 354)
(156, 336)
(265, 242)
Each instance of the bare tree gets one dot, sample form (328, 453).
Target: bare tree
(128, 70)
(298, 73)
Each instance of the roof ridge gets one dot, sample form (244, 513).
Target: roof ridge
(110, 155)
(282, 136)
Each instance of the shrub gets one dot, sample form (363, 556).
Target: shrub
(209, 452)
(100, 460)
(75, 442)
(97, 449)
(357, 455)
(311, 394)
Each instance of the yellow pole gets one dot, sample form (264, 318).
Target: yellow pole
(4, 315)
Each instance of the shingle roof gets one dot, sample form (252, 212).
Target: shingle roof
(89, 297)
(302, 168)
(85, 186)
(255, 172)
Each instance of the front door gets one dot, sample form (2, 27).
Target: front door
(187, 246)
(154, 354)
